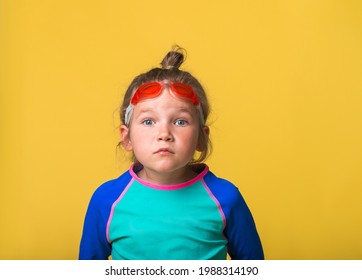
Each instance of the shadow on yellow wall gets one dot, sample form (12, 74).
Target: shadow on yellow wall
(284, 80)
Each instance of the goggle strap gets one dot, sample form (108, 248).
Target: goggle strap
(198, 107)
(128, 114)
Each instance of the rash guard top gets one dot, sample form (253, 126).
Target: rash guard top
(204, 218)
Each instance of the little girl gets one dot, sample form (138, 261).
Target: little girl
(168, 205)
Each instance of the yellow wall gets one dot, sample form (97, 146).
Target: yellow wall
(284, 80)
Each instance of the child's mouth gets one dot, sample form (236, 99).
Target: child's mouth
(164, 151)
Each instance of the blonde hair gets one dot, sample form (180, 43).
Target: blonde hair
(170, 71)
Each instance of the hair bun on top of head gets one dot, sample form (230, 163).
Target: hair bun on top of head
(174, 58)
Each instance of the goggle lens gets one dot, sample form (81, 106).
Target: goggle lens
(153, 89)
(184, 91)
(149, 90)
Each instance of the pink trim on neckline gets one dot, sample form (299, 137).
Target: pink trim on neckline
(169, 187)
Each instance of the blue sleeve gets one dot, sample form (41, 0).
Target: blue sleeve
(243, 239)
(94, 244)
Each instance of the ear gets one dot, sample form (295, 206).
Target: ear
(125, 139)
(201, 145)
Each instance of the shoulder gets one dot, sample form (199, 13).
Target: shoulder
(226, 193)
(110, 190)
(211, 180)
(221, 186)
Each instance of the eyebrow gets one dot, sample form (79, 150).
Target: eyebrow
(145, 111)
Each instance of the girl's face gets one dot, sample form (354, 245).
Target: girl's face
(163, 134)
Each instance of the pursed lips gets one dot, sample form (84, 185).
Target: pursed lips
(164, 151)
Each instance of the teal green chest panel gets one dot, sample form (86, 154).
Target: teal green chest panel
(184, 223)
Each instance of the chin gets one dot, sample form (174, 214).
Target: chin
(168, 167)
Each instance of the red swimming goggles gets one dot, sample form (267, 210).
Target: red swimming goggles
(154, 89)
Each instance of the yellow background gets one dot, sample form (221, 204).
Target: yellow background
(284, 81)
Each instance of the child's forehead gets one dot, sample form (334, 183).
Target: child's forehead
(169, 110)
(144, 108)
(165, 101)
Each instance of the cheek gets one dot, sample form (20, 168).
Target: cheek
(140, 139)
(191, 137)
(140, 134)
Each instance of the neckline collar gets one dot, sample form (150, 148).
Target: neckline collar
(201, 169)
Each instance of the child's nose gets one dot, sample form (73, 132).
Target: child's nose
(165, 133)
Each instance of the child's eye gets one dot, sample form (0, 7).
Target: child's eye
(148, 122)
(181, 122)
